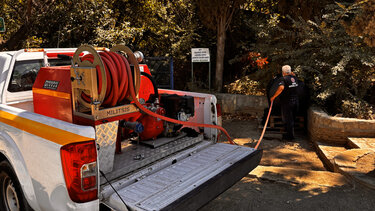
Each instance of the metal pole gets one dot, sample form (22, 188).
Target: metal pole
(209, 75)
(192, 75)
(171, 71)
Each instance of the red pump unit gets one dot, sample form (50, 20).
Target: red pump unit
(52, 93)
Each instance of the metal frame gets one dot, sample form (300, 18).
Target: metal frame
(84, 80)
(171, 70)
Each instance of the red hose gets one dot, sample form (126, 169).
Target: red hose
(112, 67)
(122, 77)
(90, 58)
(265, 126)
(109, 81)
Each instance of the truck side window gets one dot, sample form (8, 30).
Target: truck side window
(24, 74)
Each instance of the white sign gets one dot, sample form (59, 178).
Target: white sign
(200, 55)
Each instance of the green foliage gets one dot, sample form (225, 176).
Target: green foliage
(335, 66)
(308, 10)
(364, 23)
(357, 109)
(245, 86)
(51, 22)
(157, 28)
(160, 28)
(71, 23)
(13, 13)
(260, 6)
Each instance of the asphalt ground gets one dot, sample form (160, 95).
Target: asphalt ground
(290, 177)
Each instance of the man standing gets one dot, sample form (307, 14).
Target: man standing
(289, 100)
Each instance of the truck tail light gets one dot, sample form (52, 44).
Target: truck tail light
(79, 162)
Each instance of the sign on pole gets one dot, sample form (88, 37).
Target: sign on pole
(201, 55)
(2, 25)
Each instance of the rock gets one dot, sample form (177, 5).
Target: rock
(349, 158)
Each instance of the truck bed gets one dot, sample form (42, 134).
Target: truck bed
(185, 180)
(137, 155)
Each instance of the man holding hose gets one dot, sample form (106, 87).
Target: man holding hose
(287, 89)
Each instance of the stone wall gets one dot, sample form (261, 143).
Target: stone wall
(242, 104)
(325, 128)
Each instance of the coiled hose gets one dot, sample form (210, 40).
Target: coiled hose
(117, 78)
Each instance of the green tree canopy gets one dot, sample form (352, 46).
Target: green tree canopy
(338, 68)
(364, 22)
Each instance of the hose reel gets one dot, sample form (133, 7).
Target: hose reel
(100, 81)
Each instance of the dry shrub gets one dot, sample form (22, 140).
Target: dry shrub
(245, 86)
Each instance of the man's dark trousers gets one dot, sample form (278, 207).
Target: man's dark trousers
(289, 111)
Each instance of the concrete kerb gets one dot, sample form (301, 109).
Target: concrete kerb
(325, 128)
(242, 104)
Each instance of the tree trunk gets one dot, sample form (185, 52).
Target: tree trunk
(221, 36)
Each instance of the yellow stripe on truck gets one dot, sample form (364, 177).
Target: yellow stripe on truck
(50, 133)
(52, 93)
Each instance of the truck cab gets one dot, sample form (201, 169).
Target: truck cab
(116, 157)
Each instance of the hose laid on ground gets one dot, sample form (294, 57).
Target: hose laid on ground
(265, 126)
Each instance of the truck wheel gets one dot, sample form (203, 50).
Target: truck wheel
(11, 195)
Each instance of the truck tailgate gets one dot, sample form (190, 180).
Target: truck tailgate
(191, 182)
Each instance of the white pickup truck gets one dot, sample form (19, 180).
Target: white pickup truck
(51, 164)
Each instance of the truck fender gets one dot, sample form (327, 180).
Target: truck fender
(9, 149)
